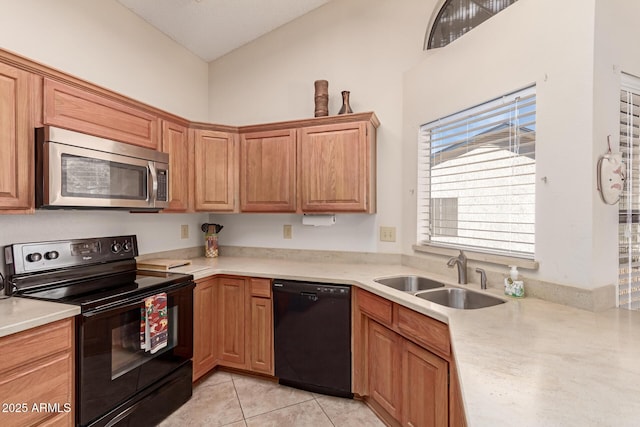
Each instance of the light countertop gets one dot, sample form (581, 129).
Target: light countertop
(19, 314)
(527, 362)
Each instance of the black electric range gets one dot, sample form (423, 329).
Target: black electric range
(118, 380)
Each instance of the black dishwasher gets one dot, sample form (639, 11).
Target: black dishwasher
(312, 336)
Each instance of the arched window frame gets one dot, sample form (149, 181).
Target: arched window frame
(435, 20)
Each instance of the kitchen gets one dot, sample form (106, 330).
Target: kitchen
(373, 49)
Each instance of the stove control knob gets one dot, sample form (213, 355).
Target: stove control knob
(52, 255)
(116, 247)
(127, 246)
(34, 257)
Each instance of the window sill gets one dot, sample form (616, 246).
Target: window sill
(527, 264)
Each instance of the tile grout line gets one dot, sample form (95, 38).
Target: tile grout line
(323, 411)
(238, 399)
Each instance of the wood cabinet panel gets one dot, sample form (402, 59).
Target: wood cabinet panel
(260, 287)
(268, 171)
(80, 110)
(215, 171)
(261, 347)
(204, 327)
(16, 141)
(375, 307)
(424, 330)
(425, 388)
(38, 368)
(231, 315)
(335, 164)
(36, 343)
(175, 142)
(384, 358)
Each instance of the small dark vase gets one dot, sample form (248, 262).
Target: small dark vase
(346, 108)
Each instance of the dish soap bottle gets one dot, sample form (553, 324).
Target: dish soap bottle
(512, 286)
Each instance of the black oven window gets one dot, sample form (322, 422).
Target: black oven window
(95, 178)
(126, 353)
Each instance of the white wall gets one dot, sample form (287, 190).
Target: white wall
(548, 43)
(106, 44)
(363, 46)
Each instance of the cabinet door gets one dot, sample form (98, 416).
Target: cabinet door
(262, 335)
(425, 389)
(231, 322)
(204, 334)
(268, 171)
(384, 359)
(335, 168)
(214, 171)
(73, 108)
(175, 142)
(37, 368)
(16, 140)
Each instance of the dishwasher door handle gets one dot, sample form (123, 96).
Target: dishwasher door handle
(310, 295)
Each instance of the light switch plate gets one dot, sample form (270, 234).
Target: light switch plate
(387, 234)
(286, 231)
(184, 231)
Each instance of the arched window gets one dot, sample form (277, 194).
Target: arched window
(456, 17)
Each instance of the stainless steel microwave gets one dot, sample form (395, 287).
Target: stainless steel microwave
(76, 170)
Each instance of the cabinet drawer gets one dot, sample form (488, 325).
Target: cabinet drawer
(376, 307)
(260, 288)
(24, 347)
(49, 381)
(424, 330)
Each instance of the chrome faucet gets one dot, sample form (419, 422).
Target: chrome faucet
(461, 262)
(483, 278)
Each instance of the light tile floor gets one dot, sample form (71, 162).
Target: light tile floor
(229, 399)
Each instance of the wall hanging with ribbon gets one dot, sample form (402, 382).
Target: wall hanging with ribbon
(612, 172)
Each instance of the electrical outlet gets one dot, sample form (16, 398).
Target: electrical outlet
(286, 231)
(184, 231)
(387, 234)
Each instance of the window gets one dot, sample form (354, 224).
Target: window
(476, 178)
(456, 17)
(629, 206)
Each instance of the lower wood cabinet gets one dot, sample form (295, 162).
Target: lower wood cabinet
(402, 364)
(231, 322)
(37, 368)
(204, 327)
(384, 354)
(233, 325)
(424, 387)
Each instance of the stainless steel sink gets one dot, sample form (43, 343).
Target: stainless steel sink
(409, 283)
(459, 298)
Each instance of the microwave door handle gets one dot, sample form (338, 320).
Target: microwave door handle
(153, 194)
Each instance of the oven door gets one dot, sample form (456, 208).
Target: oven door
(112, 367)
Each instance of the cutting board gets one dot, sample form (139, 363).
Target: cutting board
(163, 264)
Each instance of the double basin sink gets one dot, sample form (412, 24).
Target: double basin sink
(436, 292)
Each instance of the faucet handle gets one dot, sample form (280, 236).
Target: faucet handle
(483, 278)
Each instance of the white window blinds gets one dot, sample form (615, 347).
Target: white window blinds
(476, 177)
(629, 206)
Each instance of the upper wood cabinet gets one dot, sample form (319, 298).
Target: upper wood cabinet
(175, 142)
(16, 140)
(83, 111)
(268, 171)
(320, 165)
(215, 170)
(337, 168)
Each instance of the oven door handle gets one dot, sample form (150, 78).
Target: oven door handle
(121, 306)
